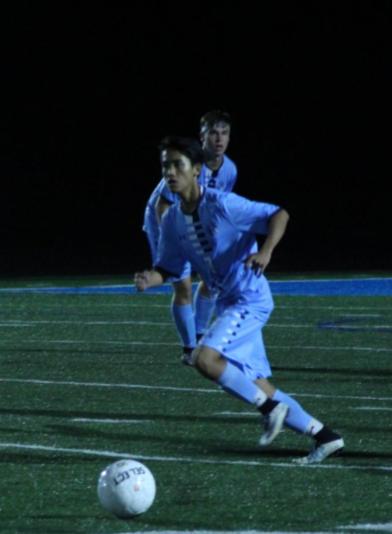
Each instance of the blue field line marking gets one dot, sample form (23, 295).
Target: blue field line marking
(367, 287)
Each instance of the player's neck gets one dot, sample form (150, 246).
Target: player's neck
(214, 163)
(190, 198)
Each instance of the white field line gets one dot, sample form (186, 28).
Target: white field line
(172, 344)
(373, 527)
(236, 414)
(16, 323)
(278, 306)
(330, 324)
(38, 382)
(363, 278)
(105, 385)
(184, 459)
(323, 281)
(380, 527)
(361, 315)
(321, 307)
(351, 327)
(143, 421)
(82, 342)
(372, 408)
(110, 421)
(226, 532)
(256, 414)
(87, 307)
(326, 348)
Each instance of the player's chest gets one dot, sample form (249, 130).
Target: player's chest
(207, 234)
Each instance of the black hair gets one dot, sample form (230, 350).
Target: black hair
(191, 148)
(209, 119)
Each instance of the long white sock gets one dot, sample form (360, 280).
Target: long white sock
(185, 324)
(204, 308)
(297, 418)
(236, 383)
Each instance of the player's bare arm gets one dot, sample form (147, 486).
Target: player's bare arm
(151, 278)
(276, 229)
(148, 278)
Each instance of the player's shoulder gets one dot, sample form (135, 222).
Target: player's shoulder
(162, 190)
(156, 191)
(161, 185)
(216, 198)
(170, 213)
(229, 164)
(212, 194)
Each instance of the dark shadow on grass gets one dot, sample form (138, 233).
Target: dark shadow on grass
(257, 453)
(226, 449)
(366, 455)
(109, 436)
(360, 430)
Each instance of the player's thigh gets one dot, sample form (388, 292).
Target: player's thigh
(237, 336)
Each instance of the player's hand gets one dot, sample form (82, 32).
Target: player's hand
(142, 280)
(258, 262)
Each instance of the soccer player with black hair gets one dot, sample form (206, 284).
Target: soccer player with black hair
(216, 232)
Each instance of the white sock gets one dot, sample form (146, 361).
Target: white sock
(235, 382)
(313, 427)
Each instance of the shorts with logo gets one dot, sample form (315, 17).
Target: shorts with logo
(236, 334)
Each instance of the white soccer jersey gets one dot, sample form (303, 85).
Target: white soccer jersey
(223, 179)
(216, 239)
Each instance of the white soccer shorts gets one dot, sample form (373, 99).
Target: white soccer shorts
(236, 335)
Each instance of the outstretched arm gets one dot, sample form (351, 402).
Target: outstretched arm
(276, 229)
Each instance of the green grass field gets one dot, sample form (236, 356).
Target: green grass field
(89, 379)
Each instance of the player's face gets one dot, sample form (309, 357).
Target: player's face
(178, 171)
(216, 139)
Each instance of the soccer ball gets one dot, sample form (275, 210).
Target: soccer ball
(126, 488)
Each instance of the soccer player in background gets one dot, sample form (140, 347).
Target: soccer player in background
(220, 172)
(216, 233)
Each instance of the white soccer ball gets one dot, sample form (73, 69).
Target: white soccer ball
(126, 488)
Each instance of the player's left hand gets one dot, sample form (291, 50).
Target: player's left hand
(258, 262)
(142, 280)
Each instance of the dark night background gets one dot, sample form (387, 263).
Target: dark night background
(87, 93)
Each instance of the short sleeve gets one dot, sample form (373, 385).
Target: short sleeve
(166, 194)
(247, 215)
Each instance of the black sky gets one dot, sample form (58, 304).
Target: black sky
(87, 93)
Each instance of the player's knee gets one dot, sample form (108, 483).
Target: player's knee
(204, 290)
(182, 293)
(207, 361)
